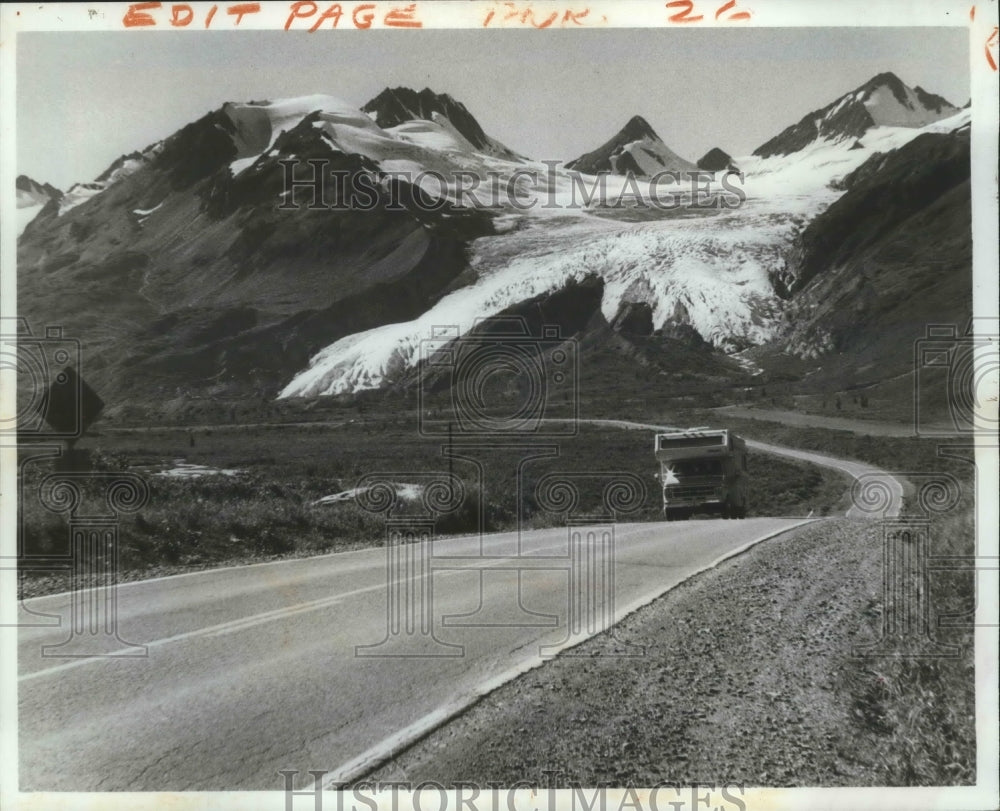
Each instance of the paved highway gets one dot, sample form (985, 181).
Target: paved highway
(253, 669)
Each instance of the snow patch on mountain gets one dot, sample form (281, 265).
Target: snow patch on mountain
(257, 125)
(79, 193)
(32, 193)
(650, 156)
(883, 101)
(416, 145)
(635, 149)
(437, 133)
(123, 167)
(395, 106)
(801, 184)
(437, 156)
(888, 111)
(32, 197)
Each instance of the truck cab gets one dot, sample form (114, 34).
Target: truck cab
(702, 469)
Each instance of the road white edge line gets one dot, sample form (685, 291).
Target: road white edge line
(385, 750)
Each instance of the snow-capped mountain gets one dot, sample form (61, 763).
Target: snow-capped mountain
(883, 101)
(191, 275)
(32, 197)
(195, 272)
(324, 125)
(399, 105)
(635, 149)
(123, 167)
(902, 226)
(32, 193)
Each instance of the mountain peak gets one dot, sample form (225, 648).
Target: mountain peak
(638, 128)
(883, 101)
(407, 97)
(397, 105)
(635, 149)
(30, 186)
(886, 77)
(716, 160)
(32, 198)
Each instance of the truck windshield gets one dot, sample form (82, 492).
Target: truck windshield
(698, 467)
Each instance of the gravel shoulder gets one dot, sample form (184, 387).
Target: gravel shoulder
(747, 677)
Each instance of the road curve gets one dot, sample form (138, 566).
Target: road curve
(253, 669)
(876, 493)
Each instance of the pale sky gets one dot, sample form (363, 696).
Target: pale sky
(83, 99)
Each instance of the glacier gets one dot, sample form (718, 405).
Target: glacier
(714, 269)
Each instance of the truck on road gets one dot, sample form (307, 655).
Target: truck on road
(702, 470)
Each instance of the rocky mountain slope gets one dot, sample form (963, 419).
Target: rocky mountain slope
(890, 256)
(635, 149)
(883, 101)
(716, 160)
(399, 105)
(31, 192)
(188, 277)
